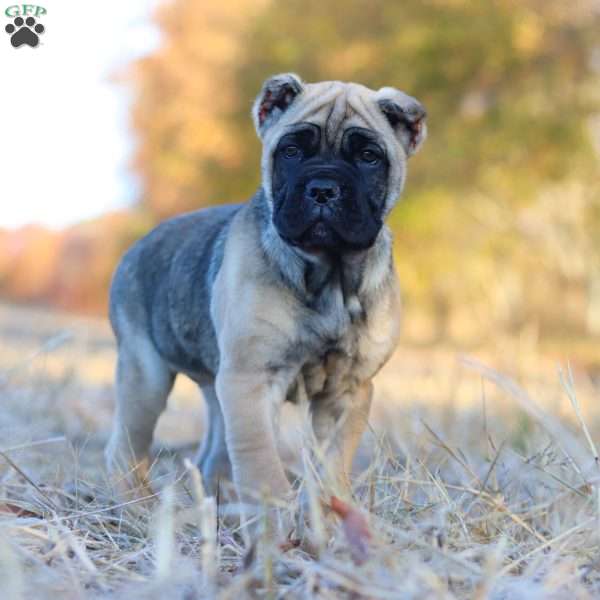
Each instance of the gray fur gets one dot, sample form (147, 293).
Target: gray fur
(162, 287)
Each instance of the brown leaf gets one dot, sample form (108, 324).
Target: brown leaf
(7, 507)
(355, 528)
(290, 544)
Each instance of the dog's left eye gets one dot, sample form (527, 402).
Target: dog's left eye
(291, 151)
(369, 157)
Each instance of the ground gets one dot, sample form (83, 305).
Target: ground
(477, 479)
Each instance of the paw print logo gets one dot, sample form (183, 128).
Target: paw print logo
(24, 31)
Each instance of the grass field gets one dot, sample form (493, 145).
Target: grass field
(478, 479)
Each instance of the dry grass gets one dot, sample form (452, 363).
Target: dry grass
(471, 484)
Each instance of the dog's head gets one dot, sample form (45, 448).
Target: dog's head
(334, 158)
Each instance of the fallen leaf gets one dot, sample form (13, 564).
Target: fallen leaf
(19, 511)
(355, 528)
(290, 544)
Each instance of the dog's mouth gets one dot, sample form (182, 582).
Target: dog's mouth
(318, 236)
(321, 236)
(341, 225)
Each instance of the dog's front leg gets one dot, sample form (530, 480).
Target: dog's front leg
(338, 425)
(249, 401)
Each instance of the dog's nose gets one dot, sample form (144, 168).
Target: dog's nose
(323, 190)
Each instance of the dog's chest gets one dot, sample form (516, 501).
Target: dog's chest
(333, 373)
(341, 349)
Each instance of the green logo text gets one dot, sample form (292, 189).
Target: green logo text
(22, 10)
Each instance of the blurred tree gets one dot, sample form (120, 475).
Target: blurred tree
(509, 88)
(71, 269)
(184, 95)
(500, 223)
(504, 83)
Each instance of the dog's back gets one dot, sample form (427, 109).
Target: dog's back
(161, 289)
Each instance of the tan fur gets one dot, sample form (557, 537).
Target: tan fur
(143, 384)
(255, 323)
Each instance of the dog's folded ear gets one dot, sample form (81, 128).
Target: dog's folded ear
(406, 115)
(277, 95)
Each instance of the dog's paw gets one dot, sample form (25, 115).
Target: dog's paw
(127, 480)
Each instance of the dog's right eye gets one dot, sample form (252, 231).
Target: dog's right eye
(291, 151)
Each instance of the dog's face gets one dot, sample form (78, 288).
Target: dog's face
(334, 159)
(329, 198)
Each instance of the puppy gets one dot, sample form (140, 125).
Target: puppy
(291, 296)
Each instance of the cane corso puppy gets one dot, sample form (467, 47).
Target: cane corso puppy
(290, 296)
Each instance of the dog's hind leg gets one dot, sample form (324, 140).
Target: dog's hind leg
(143, 384)
(213, 458)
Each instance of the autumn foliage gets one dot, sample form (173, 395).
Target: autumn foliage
(502, 209)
